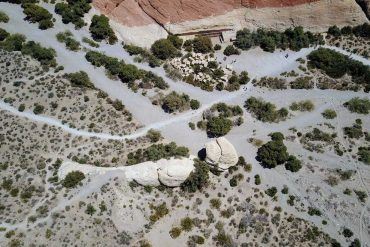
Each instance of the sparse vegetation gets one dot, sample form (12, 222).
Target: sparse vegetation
(265, 111)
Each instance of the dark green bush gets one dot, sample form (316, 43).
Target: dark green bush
(358, 105)
(73, 179)
(164, 49)
(198, 179)
(80, 79)
(273, 153)
(101, 30)
(218, 126)
(35, 13)
(265, 111)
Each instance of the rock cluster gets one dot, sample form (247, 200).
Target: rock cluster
(186, 67)
(221, 154)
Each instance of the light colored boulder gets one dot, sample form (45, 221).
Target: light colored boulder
(213, 152)
(144, 173)
(221, 153)
(229, 157)
(174, 172)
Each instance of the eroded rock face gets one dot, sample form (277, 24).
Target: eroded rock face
(143, 21)
(221, 154)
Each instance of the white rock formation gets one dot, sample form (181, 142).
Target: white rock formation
(170, 172)
(221, 154)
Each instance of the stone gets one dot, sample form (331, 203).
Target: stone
(221, 154)
(173, 173)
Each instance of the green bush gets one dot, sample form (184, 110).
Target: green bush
(273, 153)
(265, 111)
(354, 132)
(231, 50)
(73, 11)
(271, 192)
(293, 164)
(364, 154)
(198, 179)
(218, 126)
(3, 34)
(67, 38)
(329, 114)
(194, 104)
(38, 109)
(13, 42)
(357, 105)
(35, 13)
(187, 224)
(73, 179)
(176, 41)
(305, 105)
(202, 44)
(156, 152)
(164, 49)
(101, 30)
(46, 56)
(4, 17)
(80, 79)
(174, 102)
(294, 39)
(336, 65)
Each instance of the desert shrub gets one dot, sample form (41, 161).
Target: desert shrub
(293, 164)
(347, 233)
(314, 211)
(38, 109)
(35, 13)
(80, 79)
(243, 78)
(4, 17)
(271, 82)
(334, 31)
(329, 114)
(3, 34)
(336, 65)
(358, 105)
(176, 41)
(217, 47)
(231, 50)
(302, 83)
(198, 179)
(175, 232)
(274, 152)
(154, 135)
(355, 131)
(364, 155)
(265, 111)
(159, 212)
(46, 56)
(294, 39)
(361, 195)
(13, 42)
(73, 11)
(174, 102)
(164, 49)
(90, 210)
(271, 192)
(215, 203)
(101, 30)
(73, 179)
(218, 126)
(90, 42)
(305, 105)
(257, 179)
(202, 44)
(194, 104)
(67, 38)
(187, 224)
(156, 152)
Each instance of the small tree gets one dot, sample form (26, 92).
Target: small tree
(73, 179)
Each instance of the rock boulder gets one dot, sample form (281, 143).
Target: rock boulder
(221, 154)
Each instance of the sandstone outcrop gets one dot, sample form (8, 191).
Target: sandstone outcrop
(144, 21)
(221, 154)
(171, 172)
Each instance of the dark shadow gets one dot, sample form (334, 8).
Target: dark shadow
(202, 154)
